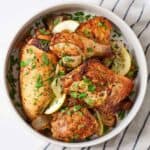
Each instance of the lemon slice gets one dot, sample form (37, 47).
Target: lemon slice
(56, 104)
(69, 25)
(58, 100)
(101, 127)
(122, 62)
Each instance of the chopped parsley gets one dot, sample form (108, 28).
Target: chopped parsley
(80, 16)
(44, 31)
(102, 24)
(121, 114)
(61, 73)
(82, 95)
(86, 80)
(87, 17)
(30, 50)
(39, 82)
(44, 44)
(91, 88)
(64, 109)
(45, 59)
(74, 94)
(67, 59)
(86, 32)
(90, 102)
(56, 21)
(90, 49)
(77, 108)
(79, 13)
(25, 63)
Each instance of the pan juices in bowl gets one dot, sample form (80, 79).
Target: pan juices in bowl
(73, 75)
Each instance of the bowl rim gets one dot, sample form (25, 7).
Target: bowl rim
(138, 102)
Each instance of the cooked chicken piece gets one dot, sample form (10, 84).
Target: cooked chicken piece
(98, 29)
(72, 44)
(40, 40)
(97, 86)
(36, 69)
(74, 123)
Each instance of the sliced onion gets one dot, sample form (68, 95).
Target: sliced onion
(40, 123)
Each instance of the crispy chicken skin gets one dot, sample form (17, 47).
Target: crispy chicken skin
(98, 29)
(66, 43)
(76, 125)
(36, 69)
(110, 88)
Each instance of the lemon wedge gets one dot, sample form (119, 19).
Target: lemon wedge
(101, 126)
(55, 105)
(69, 25)
(59, 97)
(122, 62)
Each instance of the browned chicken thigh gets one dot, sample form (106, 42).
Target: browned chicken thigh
(73, 123)
(97, 28)
(96, 85)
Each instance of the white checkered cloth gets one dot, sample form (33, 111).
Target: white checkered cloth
(137, 135)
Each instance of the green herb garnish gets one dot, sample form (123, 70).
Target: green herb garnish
(86, 80)
(79, 13)
(77, 108)
(82, 95)
(90, 102)
(74, 94)
(87, 17)
(102, 24)
(121, 114)
(61, 73)
(25, 63)
(30, 50)
(67, 59)
(39, 82)
(45, 59)
(91, 88)
(64, 109)
(56, 21)
(44, 32)
(44, 44)
(86, 32)
(90, 49)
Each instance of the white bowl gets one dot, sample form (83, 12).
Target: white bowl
(131, 38)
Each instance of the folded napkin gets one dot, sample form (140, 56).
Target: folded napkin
(137, 135)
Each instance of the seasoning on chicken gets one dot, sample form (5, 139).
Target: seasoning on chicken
(75, 123)
(37, 67)
(97, 28)
(66, 43)
(96, 85)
